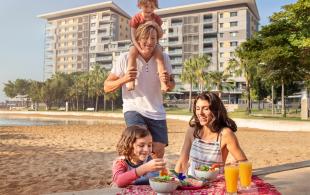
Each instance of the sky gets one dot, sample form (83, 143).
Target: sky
(22, 33)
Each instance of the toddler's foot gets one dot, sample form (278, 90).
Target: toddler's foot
(164, 88)
(130, 85)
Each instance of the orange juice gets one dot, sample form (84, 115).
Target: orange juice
(245, 173)
(231, 178)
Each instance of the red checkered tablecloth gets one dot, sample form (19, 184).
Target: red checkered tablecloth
(217, 187)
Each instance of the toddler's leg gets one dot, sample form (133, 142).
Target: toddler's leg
(161, 67)
(132, 65)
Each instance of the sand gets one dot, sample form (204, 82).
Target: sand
(47, 159)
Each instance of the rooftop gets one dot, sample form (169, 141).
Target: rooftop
(86, 8)
(211, 4)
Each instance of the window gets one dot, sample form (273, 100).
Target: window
(232, 24)
(221, 35)
(92, 40)
(221, 64)
(221, 54)
(93, 48)
(93, 24)
(221, 15)
(221, 25)
(221, 44)
(92, 32)
(233, 34)
(232, 14)
(231, 54)
(234, 43)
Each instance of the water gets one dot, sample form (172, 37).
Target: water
(43, 121)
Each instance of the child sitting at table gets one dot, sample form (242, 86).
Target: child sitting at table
(135, 165)
(210, 137)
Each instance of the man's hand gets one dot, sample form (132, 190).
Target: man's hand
(164, 77)
(130, 75)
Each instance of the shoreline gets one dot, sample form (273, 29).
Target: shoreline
(266, 124)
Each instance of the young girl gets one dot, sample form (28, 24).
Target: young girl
(210, 137)
(146, 15)
(135, 165)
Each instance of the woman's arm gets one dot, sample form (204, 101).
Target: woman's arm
(230, 140)
(182, 164)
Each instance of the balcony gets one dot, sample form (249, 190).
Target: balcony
(207, 20)
(209, 49)
(208, 40)
(173, 34)
(175, 52)
(174, 43)
(104, 58)
(208, 30)
(177, 71)
(176, 61)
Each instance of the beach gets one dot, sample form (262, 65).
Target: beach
(59, 158)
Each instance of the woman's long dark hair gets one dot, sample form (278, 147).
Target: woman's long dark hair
(219, 112)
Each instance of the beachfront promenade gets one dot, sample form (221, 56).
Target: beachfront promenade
(264, 124)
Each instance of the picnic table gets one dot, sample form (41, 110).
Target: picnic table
(216, 187)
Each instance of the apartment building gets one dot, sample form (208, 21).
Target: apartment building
(77, 38)
(214, 28)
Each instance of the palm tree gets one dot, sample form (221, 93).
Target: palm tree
(194, 73)
(35, 92)
(96, 78)
(82, 84)
(219, 78)
(202, 63)
(188, 76)
(112, 96)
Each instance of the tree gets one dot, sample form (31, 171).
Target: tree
(280, 57)
(219, 78)
(9, 89)
(194, 72)
(245, 65)
(34, 92)
(112, 96)
(96, 78)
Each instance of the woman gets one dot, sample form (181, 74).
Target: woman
(210, 137)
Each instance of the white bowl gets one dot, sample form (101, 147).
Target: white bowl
(209, 175)
(163, 187)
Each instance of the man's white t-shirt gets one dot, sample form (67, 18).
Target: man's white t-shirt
(146, 98)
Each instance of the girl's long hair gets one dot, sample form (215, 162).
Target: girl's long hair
(220, 118)
(129, 136)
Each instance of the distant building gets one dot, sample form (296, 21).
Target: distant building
(80, 37)
(77, 38)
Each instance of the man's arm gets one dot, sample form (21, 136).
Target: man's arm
(114, 82)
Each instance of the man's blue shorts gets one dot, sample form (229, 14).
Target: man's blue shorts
(158, 128)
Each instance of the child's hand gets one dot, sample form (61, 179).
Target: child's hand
(153, 165)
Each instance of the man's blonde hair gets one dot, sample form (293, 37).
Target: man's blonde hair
(145, 2)
(144, 31)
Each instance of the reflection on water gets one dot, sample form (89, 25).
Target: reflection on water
(32, 121)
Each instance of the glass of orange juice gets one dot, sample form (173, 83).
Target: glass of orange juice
(245, 174)
(231, 173)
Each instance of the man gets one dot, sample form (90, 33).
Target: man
(144, 105)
